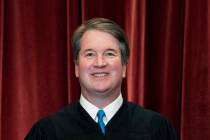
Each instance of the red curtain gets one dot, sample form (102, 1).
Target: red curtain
(168, 70)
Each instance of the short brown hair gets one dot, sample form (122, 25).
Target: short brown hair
(104, 25)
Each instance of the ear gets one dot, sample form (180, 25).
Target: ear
(124, 67)
(76, 68)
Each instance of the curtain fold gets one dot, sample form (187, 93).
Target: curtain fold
(73, 20)
(135, 21)
(1, 58)
(168, 71)
(196, 69)
(163, 58)
(34, 63)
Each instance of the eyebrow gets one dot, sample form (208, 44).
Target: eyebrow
(109, 49)
(112, 50)
(86, 50)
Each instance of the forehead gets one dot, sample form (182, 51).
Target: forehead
(98, 40)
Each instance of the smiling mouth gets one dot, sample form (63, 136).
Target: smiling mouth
(101, 74)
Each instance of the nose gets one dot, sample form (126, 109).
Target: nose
(100, 61)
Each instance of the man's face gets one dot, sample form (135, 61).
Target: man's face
(99, 67)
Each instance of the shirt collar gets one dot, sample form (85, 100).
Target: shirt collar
(110, 110)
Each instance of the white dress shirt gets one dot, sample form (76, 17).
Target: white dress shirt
(110, 110)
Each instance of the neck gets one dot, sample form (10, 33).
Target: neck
(101, 100)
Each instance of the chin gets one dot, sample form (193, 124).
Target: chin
(101, 86)
(101, 91)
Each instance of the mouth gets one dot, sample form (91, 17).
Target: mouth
(100, 74)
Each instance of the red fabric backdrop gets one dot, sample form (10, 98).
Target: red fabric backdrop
(168, 70)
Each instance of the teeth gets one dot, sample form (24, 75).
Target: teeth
(99, 74)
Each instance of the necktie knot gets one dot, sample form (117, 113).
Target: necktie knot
(101, 124)
(100, 114)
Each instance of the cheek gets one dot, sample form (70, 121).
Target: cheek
(83, 67)
(118, 68)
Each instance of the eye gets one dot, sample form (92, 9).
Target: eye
(110, 54)
(89, 54)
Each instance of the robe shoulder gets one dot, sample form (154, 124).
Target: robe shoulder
(147, 122)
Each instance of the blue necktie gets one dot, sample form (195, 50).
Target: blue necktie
(101, 124)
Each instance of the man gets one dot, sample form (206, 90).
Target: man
(101, 53)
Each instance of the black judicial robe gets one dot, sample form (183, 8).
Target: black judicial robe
(131, 122)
